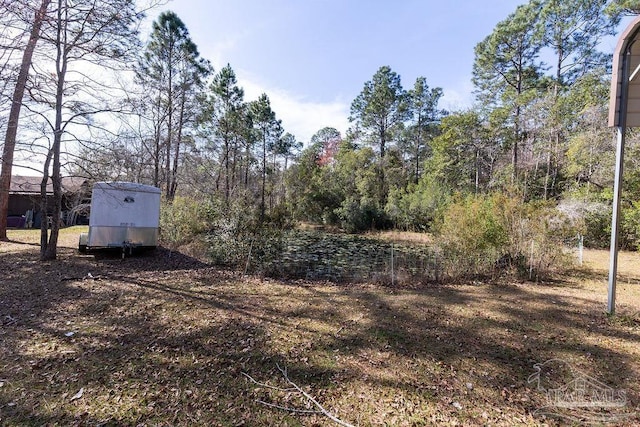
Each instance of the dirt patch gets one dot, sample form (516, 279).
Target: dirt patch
(164, 339)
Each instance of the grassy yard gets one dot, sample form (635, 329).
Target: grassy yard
(165, 339)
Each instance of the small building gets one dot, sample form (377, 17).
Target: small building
(24, 201)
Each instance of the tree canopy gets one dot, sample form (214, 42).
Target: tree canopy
(536, 131)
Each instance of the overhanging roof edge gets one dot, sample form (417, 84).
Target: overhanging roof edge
(628, 36)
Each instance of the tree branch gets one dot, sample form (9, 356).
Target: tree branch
(294, 387)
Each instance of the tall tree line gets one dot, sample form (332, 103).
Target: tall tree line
(540, 83)
(188, 128)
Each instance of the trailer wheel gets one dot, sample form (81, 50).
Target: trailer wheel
(82, 249)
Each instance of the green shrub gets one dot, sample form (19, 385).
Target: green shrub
(484, 235)
(238, 238)
(631, 227)
(361, 215)
(416, 208)
(597, 228)
(471, 236)
(183, 219)
(593, 218)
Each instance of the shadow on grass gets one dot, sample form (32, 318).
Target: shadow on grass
(17, 242)
(164, 339)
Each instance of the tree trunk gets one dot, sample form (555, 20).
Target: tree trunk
(50, 251)
(477, 174)
(382, 196)
(417, 170)
(169, 123)
(264, 177)
(418, 141)
(168, 148)
(514, 154)
(234, 168)
(14, 115)
(272, 186)
(284, 172)
(44, 236)
(156, 139)
(176, 158)
(226, 169)
(247, 163)
(547, 173)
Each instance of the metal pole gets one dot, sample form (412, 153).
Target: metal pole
(580, 248)
(617, 186)
(392, 272)
(531, 261)
(615, 221)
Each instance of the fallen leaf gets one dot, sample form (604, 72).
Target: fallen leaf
(78, 395)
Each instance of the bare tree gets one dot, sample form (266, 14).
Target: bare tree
(16, 105)
(83, 41)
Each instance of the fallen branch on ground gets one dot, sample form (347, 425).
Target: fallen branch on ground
(307, 396)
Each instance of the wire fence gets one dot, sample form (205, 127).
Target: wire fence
(318, 255)
(337, 257)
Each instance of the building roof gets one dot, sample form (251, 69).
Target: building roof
(31, 184)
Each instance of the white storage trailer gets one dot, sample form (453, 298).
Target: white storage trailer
(123, 215)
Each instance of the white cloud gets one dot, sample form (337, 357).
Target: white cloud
(300, 117)
(219, 51)
(458, 98)
(303, 118)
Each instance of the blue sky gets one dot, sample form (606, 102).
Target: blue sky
(312, 57)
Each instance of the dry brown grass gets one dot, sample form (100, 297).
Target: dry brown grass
(163, 339)
(402, 236)
(598, 261)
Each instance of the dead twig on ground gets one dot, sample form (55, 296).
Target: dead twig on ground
(294, 387)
